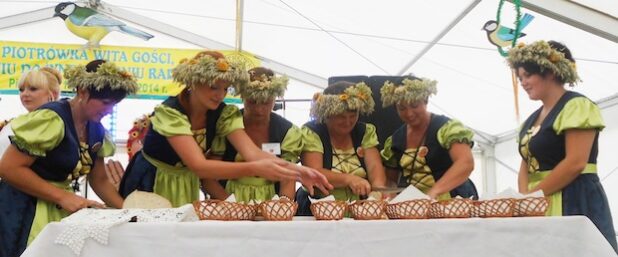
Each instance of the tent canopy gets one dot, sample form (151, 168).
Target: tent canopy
(311, 41)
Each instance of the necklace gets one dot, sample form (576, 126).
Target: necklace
(81, 132)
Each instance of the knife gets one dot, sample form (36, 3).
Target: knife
(388, 190)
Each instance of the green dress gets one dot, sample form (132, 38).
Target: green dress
(48, 134)
(543, 148)
(282, 132)
(157, 168)
(343, 160)
(423, 166)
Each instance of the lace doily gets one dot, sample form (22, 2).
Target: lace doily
(95, 223)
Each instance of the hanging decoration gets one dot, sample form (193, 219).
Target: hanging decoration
(91, 25)
(502, 37)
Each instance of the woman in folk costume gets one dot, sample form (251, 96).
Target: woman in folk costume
(36, 87)
(558, 143)
(269, 131)
(185, 127)
(341, 147)
(55, 145)
(431, 152)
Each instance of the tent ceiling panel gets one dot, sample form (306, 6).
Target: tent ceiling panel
(221, 30)
(598, 22)
(609, 7)
(401, 18)
(18, 7)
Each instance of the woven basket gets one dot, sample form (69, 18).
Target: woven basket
(242, 211)
(412, 209)
(328, 210)
(212, 209)
(493, 208)
(452, 208)
(531, 206)
(367, 209)
(278, 209)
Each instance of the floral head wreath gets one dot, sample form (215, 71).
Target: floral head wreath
(263, 88)
(107, 75)
(547, 58)
(357, 97)
(203, 69)
(410, 91)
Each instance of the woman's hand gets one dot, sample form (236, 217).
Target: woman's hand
(432, 194)
(275, 169)
(114, 171)
(71, 203)
(359, 186)
(312, 178)
(278, 170)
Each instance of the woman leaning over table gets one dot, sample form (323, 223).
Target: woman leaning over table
(341, 147)
(267, 130)
(184, 128)
(558, 143)
(55, 145)
(431, 152)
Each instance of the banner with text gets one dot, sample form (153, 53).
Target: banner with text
(152, 67)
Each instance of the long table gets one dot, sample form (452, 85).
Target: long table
(522, 237)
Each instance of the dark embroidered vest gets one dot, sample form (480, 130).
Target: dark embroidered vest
(60, 161)
(438, 158)
(548, 147)
(358, 132)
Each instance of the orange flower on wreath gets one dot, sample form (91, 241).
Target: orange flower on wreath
(125, 74)
(554, 57)
(316, 96)
(362, 96)
(222, 65)
(343, 97)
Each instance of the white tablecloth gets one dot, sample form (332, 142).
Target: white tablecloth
(521, 237)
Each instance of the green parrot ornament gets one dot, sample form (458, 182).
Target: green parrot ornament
(91, 25)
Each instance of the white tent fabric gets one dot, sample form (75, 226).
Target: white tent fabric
(333, 38)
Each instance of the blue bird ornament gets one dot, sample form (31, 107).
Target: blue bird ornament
(502, 36)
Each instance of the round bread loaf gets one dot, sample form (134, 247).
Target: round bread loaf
(145, 200)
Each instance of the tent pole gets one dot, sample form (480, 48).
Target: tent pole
(240, 5)
(488, 168)
(26, 18)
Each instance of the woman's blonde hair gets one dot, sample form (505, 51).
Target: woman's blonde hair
(44, 77)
